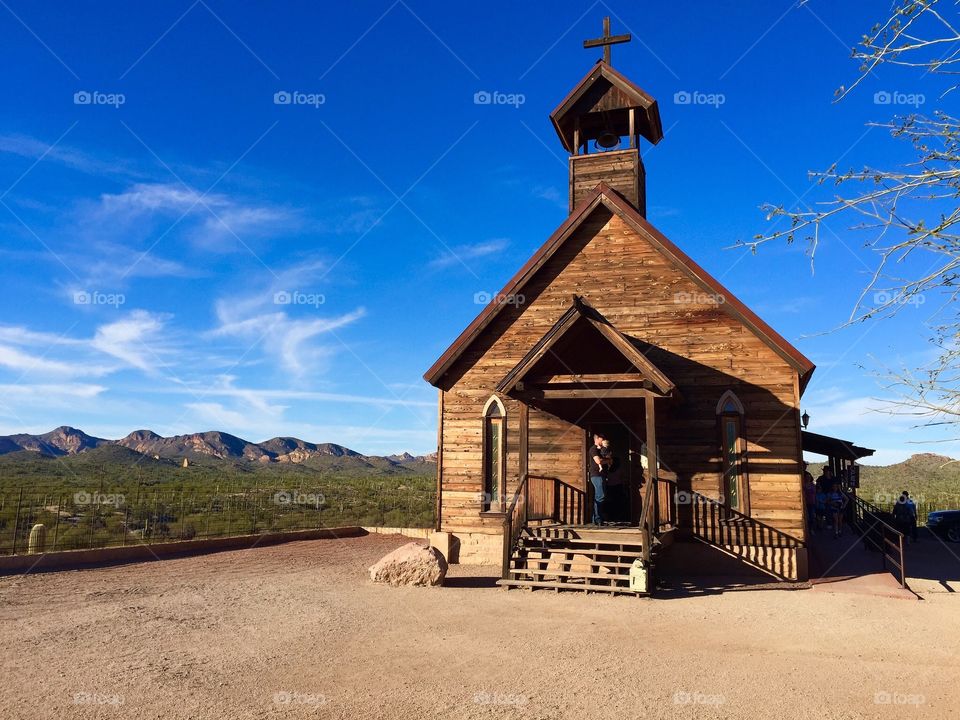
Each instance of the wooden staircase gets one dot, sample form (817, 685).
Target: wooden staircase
(583, 558)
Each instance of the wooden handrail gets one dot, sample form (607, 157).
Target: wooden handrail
(648, 534)
(736, 517)
(756, 543)
(513, 523)
(891, 550)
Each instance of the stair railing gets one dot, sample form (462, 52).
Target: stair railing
(713, 523)
(649, 517)
(539, 497)
(514, 521)
(880, 536)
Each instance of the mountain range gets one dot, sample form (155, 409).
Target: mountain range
(68, 441)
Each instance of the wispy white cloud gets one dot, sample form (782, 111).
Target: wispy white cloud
(551, 194)
(266, 317)
(34, 148)
(38, 393)
(466, 253)
(215, 220)
(34, 365)
(134, 340)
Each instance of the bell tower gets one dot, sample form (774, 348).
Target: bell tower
(600, 124)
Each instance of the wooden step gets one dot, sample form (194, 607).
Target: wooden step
(570, 574)
(583, 587)
(613, 534)
(516, 562)
(586, 541)
(581, 550)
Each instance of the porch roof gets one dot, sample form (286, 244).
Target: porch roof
(648, 374)
(832, 447)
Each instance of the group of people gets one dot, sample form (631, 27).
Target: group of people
(609, 493)
(827, 504)
(825, 501)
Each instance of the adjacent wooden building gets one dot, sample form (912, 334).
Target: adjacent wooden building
(612, 327)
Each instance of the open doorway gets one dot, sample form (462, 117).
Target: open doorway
(617, 506)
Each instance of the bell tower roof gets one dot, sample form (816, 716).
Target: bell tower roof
(601, 102)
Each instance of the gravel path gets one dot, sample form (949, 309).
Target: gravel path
(297, 631)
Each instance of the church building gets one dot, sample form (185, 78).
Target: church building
(611, 329)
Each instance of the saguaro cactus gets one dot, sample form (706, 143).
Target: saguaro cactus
(38, 539)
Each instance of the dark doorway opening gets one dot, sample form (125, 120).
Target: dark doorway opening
(617, 504)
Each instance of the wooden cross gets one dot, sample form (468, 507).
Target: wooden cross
(606, 40)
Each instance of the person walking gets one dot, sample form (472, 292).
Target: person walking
(905, 515)
(836, 503)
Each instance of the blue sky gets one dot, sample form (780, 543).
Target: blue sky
(183, 252)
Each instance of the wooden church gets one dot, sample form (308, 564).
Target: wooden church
(611, 328)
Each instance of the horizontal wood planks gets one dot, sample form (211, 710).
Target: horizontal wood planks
(685, 332)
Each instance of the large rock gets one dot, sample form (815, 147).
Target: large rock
(412, 564)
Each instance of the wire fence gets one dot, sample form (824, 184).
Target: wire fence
(38, 521)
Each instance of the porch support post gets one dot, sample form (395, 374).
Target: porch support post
(524, 439)
(651, 493)
(439, 505)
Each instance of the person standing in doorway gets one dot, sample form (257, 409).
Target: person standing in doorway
(615, 492)
(598, 476)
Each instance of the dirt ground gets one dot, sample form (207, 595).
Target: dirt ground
(297, 630)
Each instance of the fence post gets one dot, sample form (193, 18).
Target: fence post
(16, 522)
(56, 527)
(903, 565)
(182, 516)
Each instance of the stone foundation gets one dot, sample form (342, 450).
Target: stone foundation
(469, 548)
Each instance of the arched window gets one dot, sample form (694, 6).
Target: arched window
(733, 451)
(494, 454)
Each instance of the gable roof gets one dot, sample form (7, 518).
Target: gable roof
(565, 114)
(604, 195)
(580, 310)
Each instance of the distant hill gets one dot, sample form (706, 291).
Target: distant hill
(63, 440)
(926, 474)
(203, 447)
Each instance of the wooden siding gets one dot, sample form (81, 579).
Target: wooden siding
(701, 347)
(622, 170)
